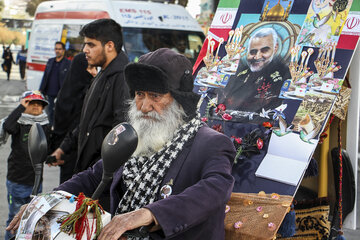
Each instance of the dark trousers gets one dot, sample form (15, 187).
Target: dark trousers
(50, 109)
(68, 168)
(22, 66)
(8, 70)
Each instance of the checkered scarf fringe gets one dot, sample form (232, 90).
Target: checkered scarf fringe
(143, 175)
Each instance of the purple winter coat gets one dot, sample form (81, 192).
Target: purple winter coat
(202, 186)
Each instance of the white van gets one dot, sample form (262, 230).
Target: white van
(146, 26)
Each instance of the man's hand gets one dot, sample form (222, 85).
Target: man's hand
(14, 224)
(124, 222)
(92, 70)
(57, 153)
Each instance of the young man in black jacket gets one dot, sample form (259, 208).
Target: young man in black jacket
(20, 174)
(105, 102)
(68, 109)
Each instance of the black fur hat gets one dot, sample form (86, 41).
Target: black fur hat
(163, 71)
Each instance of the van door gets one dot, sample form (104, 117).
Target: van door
(41, 47)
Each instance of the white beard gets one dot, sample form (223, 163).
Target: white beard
(156, 131)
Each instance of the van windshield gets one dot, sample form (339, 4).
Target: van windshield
(140, 41)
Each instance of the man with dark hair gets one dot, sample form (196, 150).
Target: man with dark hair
(53, 78)
(104, 102)
(104, 30)
(179, 178)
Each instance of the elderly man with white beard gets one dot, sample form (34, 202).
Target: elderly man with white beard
(257, 83)
(178, 180)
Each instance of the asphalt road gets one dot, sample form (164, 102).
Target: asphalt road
(10, 92)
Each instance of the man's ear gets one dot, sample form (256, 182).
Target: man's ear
(110, 46)
(276, 48)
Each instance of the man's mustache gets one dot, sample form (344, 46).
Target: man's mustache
(252, 61)
(152, 115)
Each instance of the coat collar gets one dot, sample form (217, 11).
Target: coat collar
(116, 65)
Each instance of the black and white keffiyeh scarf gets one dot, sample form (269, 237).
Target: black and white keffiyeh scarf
(143, 175)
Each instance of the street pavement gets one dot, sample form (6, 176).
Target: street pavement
(10, 92)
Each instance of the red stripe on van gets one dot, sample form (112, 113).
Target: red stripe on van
(73, 15)
(36, 66)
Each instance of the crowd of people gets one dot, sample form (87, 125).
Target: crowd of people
(100, 89)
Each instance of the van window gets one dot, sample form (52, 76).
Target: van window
(73, 41)
(140, 41)
(137, 41)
